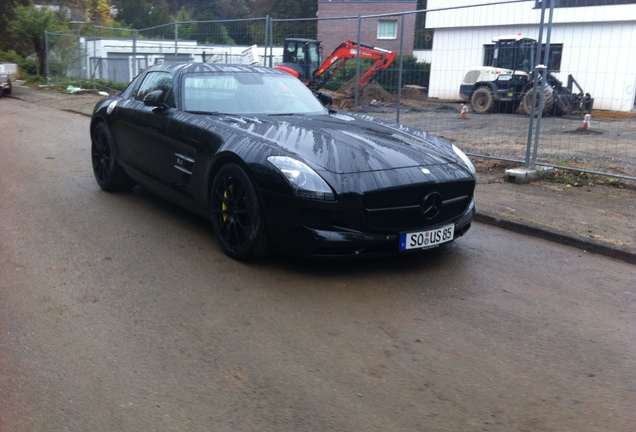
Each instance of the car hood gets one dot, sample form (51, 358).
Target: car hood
(345, 144)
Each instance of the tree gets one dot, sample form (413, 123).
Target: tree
(187, 30)
(63, 53)
(7, 15)
(202, 10)
(230, 9)
(140, 14)
(28, 32)
(285, 8)
(99, 13)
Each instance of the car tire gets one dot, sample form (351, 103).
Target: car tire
(237, 216)
(109, 175)
(548, 102)
(482, 100)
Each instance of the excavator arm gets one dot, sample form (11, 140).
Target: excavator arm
(345, 52)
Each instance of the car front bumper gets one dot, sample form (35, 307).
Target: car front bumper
(292, 235)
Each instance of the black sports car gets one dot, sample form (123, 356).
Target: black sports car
(274, 169)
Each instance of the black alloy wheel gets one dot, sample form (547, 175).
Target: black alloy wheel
(109, 175)
(236, 215)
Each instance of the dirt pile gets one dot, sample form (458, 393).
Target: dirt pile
(344, 97)
(414, 92)
(373, 93)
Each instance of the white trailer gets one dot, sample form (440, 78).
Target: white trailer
(7, 72)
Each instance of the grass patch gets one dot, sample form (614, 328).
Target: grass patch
(572, 178)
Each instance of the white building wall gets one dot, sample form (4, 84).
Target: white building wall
(598, 45)
(444, 13)
(423, 55)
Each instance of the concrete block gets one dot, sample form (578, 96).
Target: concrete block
(526, 175)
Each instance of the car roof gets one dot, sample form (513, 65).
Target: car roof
(181, 68)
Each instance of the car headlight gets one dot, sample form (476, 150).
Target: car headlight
(304, 180)
(465, 159)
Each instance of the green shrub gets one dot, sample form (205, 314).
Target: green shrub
(347, 73)
(413, 73)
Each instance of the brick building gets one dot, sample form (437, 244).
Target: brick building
(382, 30)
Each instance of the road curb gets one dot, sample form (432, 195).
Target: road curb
(528, 228)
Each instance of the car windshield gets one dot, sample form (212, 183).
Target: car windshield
(248, 93)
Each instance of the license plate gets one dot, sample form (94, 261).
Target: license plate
(427, 239)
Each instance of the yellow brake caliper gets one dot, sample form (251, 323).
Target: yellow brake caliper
(224, 206)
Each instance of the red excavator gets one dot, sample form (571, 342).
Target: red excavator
(301, 58)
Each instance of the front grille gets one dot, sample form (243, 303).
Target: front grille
(399, 209)
(392, 210)
(472, 76)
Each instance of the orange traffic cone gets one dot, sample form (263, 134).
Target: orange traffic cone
(587, 121)
(464, 111)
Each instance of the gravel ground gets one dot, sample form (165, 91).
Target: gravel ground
(605, 147)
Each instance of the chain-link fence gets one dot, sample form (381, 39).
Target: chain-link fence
(422, 85)
(64, 56)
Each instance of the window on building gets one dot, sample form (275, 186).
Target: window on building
(387, 29)
(554, 60)
(581, 3)
(424, 39)
(423, 36)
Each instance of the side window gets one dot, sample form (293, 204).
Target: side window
(314, 57)
(554, 61)
(489, 54)
(157, 81)
(296, 53)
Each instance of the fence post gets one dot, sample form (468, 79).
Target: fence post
(268, 42)
(400, 71)
(176, 40)
(93, 59)
(134, 65)
(80, 58)
(546, 58)
(46, 59)
(534, 87)
(357, 88)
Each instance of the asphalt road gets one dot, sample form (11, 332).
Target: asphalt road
(118, 312)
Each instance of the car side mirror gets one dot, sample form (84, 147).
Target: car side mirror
(155, 99)
(325, 98)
